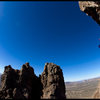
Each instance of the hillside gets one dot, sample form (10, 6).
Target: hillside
(83, 89)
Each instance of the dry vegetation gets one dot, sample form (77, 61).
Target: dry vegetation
(83, 89)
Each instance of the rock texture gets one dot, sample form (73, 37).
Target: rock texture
(91, 8)
(53, 82)
(20, 84)
(24, 84)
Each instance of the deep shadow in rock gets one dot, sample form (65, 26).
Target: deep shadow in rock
(24, 84)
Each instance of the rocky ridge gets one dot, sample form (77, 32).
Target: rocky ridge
(24, 84)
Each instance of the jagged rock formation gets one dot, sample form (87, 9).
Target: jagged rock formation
(24, 84)
(91, 8)
(19, 84)
(53, 82)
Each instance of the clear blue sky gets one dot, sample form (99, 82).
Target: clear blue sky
(58, 32)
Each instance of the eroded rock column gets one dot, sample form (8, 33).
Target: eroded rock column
(53, 82)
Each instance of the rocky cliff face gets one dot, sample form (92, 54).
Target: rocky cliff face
(53, 82)
(24, 84)
(91, 8)
(20, 84)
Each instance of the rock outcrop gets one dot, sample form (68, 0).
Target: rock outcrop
(53, 82)
(20, 84)
(24, 84)
(91, 8)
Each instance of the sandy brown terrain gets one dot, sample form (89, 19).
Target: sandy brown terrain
(97, 93)
(83, 89)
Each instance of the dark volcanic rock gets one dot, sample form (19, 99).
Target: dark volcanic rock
(53, 82)
(91, 8)
(20, 84)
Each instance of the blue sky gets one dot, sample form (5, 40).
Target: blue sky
(58, 32)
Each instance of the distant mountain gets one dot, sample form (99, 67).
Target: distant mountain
(83, 89)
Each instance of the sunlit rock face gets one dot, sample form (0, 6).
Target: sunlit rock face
(53, 82)
(91, 8)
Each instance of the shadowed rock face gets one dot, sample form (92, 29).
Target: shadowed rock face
(19, 84)
(91, 8)
(53, 82)
(24, 84)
